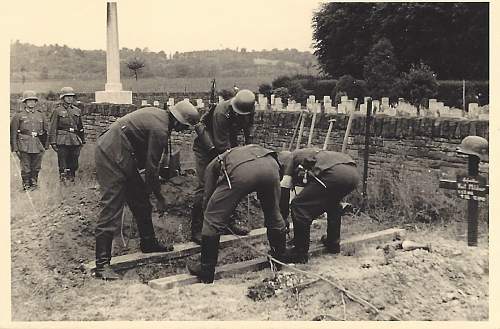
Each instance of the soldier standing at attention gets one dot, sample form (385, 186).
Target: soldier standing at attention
(28, 131)
(134, 142)
(217, 133)
(66, 134)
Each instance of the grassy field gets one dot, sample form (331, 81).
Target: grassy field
(144, 85)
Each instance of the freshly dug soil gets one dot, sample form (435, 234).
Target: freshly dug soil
(449, 283)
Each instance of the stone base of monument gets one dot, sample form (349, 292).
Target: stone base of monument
(113, 97)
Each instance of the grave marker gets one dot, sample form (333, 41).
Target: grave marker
(471, 187)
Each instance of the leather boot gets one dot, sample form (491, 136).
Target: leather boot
(332, 238)
(70, 174)
(300, 252)
(62, 177)
(205, 270)
(26, 183)
(277, 242)
(196, 223)
(151, 244)
(103, 257)
(236, 229)
(34, 180)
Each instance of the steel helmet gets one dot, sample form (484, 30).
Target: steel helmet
(66, 91)
(29, 94)
(185, 113)
(243, 102)
(474, 145)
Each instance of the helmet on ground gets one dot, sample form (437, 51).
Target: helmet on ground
(284, 157)
(185, 113)
(29, 94)
(66, 91)
(243, 102)
(474, 145)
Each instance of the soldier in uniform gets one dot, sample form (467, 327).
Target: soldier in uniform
(66, 134)
(218, 132)
(230, 177)
(135, 141)
(327, 178)
(28, 129)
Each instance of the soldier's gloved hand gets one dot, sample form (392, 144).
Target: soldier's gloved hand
(54, 147)
(286, 182)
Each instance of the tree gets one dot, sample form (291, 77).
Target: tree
(349, 86)
(418, 85)
(266, 89)
(379, 70)
(451, 37)
(283, 93)
(136, 64)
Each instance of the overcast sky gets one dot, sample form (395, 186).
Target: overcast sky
(169, 25)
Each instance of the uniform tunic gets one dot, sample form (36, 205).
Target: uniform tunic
(66, 131)
(135, 141)
(225, 127)
(249, 168)
(336, 170)
(28, 128)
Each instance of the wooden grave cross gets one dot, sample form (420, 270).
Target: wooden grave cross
(473, 188)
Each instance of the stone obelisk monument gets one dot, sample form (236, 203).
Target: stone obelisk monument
(113, 92)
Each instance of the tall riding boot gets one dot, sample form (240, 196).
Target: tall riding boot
(300, 252)
(196, 223)
(277, 242)
(103, 258)
(332, 238)
(205, 270)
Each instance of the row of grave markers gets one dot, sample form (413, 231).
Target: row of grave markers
(346, 105)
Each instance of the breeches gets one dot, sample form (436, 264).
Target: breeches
(314, 199)
(260, 175)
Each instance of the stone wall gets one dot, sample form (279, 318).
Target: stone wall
(418, 143)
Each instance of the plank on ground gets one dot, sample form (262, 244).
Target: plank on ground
(262, 262)
(180, 250)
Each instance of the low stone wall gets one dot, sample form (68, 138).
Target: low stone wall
(419, 143)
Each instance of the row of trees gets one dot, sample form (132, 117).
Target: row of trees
(450, 37)
(61, 62)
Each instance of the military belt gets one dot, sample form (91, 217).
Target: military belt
(28, 133)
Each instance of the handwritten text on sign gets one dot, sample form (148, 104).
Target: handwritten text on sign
(472, 188)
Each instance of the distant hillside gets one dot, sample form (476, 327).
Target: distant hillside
(34, 63)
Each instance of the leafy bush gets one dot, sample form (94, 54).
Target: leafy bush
(283, 93)
(349, 86)
(266, 89)
(418, 85)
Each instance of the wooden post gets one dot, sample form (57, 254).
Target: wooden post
(313, 121)
(472, 205)
(463, 98)
(367, 149)
(301, 130)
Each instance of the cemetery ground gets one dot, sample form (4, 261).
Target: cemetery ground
(50, 243)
